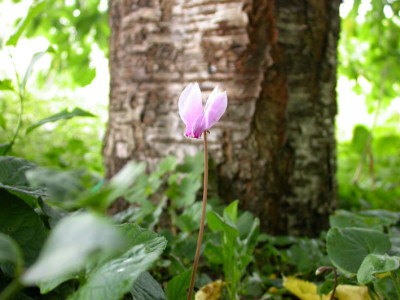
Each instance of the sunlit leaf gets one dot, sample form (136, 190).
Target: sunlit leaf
(33, 11)
(35, 58)
(63, 115)
(6, 84)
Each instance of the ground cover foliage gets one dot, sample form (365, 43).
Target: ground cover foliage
(58, 242)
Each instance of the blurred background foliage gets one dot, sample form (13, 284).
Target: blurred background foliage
(73, 72)
(369, 53)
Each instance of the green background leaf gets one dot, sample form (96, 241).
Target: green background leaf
(347, 247)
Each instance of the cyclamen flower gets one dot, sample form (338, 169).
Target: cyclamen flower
(191, 109)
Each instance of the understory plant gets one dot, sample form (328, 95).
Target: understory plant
(55, 236)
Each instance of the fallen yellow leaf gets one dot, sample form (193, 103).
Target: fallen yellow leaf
(352, 292)
(210, 291)
(306, 290)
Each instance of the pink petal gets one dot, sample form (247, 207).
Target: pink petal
(199, 126)
(211, 96)
(190, 104)
(215, 108)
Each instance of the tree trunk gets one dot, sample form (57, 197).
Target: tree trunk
(274, 149)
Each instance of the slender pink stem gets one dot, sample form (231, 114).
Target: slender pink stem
(203, 216)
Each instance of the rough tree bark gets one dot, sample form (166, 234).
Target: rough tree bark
(275, 147)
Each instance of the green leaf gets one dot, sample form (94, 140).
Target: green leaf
(344, 218)
(13, 179)
(33, 11)
(386, 288)
(214, 253)
(376, 264)
(35, 58)
(250, 242)
(192, 164)
(4, 148)
(6, 85)
(166, 165)
(62, 115)
(64, 187)
(118, 186)
(360, 137)
(74, 242)
(49, 285)
(116, 277)
(230, 212)
(189, 220)
(347, 247)
(386, 217)
(3, 124)
(245, 223)
(23, 224)
(177, 287)
(147, 288)
(216, 222)
(10, 252)
(186, 191)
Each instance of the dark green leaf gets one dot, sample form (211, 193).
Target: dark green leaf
(4, 148)
(347, 247)
(63, 115)
(214, 253)
(13, 179)
(177, 287)
(386, 288)
(22, 223)
(344, 218)
(10, 252)
(147, 288)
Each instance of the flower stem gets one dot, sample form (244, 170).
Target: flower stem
(10, 290)
(323, 270)
(203, 216)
